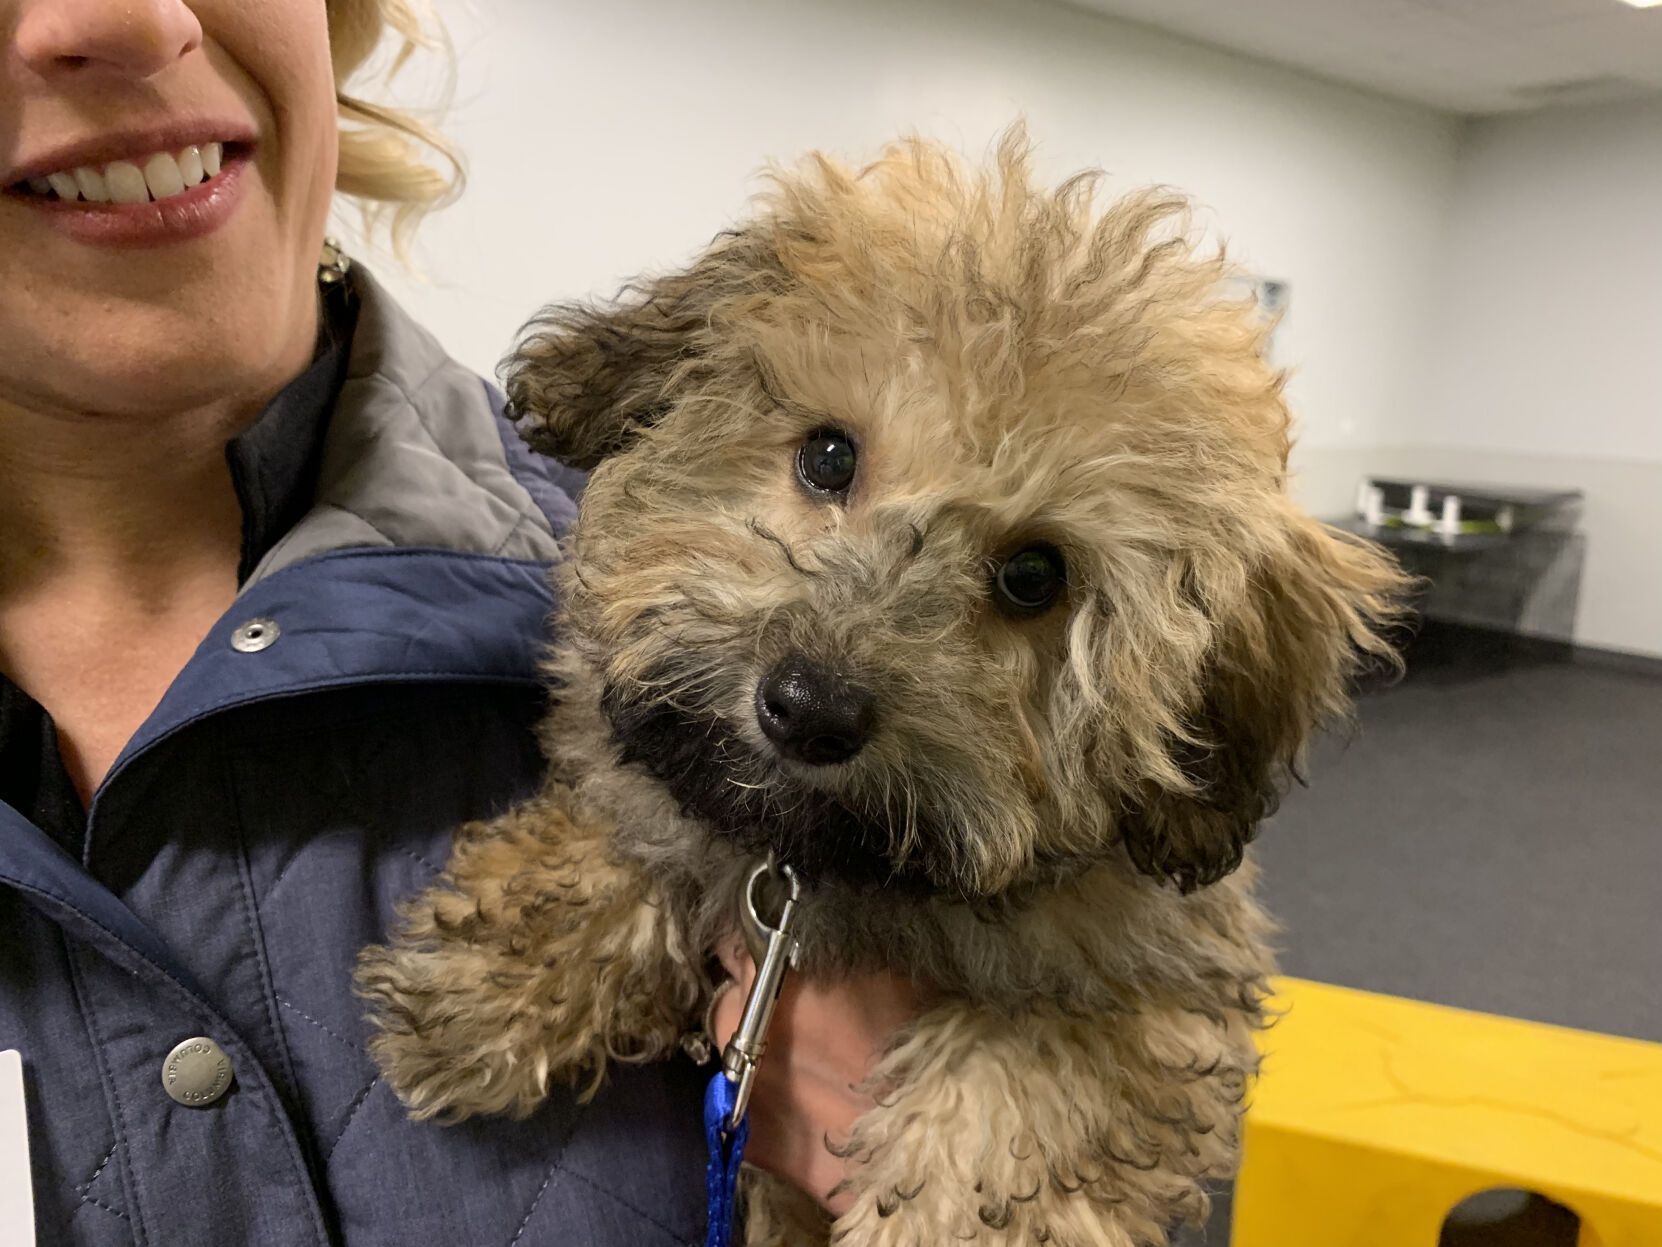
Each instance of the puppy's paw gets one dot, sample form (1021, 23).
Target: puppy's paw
(447, 1043)
(1067, 1130)
(777, 1214)
(538, 958)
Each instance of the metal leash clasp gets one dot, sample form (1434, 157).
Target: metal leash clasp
(774, 949)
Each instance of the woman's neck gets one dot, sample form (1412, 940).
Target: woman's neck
(119, 547)
(128, 506)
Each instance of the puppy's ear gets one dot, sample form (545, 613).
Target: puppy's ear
(1312, 613)
(583, 379)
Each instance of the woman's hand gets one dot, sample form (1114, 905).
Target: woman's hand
(824, 1039)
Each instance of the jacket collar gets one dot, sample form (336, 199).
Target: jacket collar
(274, 461)
(416, 455)
(423, 557)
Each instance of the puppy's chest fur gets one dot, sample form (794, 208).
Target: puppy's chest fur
(1103, 939)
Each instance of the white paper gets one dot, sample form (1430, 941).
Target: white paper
(17, 1193)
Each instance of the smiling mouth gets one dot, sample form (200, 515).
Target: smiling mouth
(158, 176)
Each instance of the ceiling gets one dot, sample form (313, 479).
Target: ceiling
(1465, 56)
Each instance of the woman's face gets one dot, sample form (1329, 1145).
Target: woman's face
(179, 287)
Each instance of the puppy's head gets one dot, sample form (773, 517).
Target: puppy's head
(939, 532)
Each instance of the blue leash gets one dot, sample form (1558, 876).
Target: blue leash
(721, 1179)
(774, 949)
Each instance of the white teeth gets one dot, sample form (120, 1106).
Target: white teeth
(92, 185)
(125, 182)
(161, 175)
(190, 166)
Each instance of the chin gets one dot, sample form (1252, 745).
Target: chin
(747, 795)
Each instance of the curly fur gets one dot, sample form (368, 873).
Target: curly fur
(1048, 824)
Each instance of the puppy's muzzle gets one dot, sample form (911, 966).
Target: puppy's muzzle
(812, 713)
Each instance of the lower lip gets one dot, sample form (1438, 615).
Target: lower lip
(194, 213)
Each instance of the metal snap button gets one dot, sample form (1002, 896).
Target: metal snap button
(197, 1072)
(255, 635)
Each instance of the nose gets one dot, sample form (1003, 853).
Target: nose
(812, 713)
(135, 39)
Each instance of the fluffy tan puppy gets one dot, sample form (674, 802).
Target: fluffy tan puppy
(939, 541)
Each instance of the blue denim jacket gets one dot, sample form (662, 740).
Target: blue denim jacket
(257, 831)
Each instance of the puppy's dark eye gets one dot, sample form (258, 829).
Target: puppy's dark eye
(1032, 578)
(826, 461)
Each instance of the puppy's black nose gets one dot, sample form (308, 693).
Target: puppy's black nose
(813, 714)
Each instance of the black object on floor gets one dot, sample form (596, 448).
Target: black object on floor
(1510, 1218)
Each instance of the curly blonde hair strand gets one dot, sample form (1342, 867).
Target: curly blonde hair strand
(384, 151)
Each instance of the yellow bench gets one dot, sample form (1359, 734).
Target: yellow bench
(1374, 1116)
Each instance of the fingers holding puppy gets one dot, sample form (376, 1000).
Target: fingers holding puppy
(825, 1039)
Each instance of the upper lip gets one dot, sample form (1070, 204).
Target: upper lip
(127, 145)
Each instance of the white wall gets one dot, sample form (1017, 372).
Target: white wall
(605, 139)
(1547, 364)
(1468, 300)
(1550, 340)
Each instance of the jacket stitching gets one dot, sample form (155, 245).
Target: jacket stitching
(256, 933)
(280, 549)
(496, 467)
(462, 467)
(365, 521)
(521, 461)
(98, 1203)
(87, 1185)
(284, 1001)
(282, 875)
(613, 1195)
(301, 853)
(416, 857)
(23, 885)
(385, 378)
(541, 1190)
(307, 564)
(346, 553)
(514, 531)
(262, 903)
(194, 1002)
(120, 1119)
(358, 1102)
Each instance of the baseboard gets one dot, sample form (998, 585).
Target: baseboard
(1618, 660)
(1439, 648)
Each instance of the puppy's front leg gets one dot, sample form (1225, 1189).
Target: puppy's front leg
(538, 956)
(777, 1214)
(1046, 1128)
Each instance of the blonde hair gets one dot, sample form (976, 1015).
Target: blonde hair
(384, 152)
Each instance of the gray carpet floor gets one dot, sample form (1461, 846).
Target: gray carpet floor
(1492, 842)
